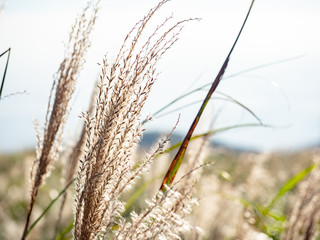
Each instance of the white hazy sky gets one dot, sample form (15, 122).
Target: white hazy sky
(285, 95)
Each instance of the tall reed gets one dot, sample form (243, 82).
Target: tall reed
(62, 91)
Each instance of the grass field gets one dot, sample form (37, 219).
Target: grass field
(229, 192)
(104, 186)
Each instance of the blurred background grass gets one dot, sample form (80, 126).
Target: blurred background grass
(235, 176)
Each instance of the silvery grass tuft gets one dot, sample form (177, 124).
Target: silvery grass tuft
(72, 161)
(62, 91)
(107, 168)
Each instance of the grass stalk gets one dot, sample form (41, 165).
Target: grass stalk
(176, 162)
(62, 90)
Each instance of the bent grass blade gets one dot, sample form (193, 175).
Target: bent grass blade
(226, 98)
(157, 113)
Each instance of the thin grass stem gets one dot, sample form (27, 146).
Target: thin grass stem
(5, 69)
(48, 207)
(65, 231)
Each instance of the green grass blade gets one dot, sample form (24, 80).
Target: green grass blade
(277, 216)
(290, 184)
(49, 206)
(5, 69)
(233, 100)
(65, 231)
(177, 99)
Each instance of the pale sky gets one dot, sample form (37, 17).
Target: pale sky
(285, 95)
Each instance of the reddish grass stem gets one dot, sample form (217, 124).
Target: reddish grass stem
(176, 162)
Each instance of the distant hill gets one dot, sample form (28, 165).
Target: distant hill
(149, 139)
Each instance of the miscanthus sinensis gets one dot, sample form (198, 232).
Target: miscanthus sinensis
(112, 132)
